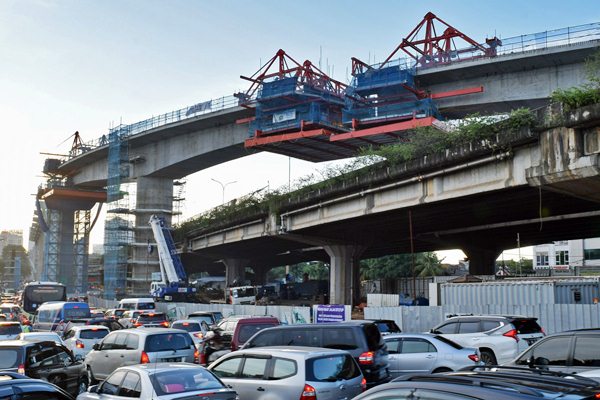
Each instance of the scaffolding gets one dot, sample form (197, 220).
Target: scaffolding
(51, 246)
(118, 230)
(178, 199)
(80, 249)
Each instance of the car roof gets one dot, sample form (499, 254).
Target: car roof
(350, 323)
(5, 323)
(89, 327)
(293, 351)
(410, 335)
(23, 343)
(190, 321)
(147, 330)
(153, 368)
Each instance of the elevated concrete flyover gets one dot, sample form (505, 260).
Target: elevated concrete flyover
(542, 185)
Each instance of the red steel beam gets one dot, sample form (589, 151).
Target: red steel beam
(285, 137)
(457, 92)
(384, 129)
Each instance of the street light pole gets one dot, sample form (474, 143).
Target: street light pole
(223, 186)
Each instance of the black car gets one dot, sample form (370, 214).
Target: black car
(110, 323)
(360, 338)
(46, 360)
(570, 352)
(19, 387)
(483, 383)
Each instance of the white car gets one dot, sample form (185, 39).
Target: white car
(160, 381)
(197, 329)
(10, 330)
(81, 339)
(498, 338)
(40, 337)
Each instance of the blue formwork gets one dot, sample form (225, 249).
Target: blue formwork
(283, 104)
(389, 93)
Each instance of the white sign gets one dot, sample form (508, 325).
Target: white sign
(283, 116)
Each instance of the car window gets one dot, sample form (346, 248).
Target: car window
(228, 368)
(469, 327)
(267, 338)
(187, 326)
(392, 345)
(554, 350)
(302, 337)
(206, 318)
(69, 334)
(185, 380)
(488, 325)
(131, 385)
(373, 336)
(332, 368)
(12, 329)
(111, 384)
(132, 342)
(448, 328)
(254, 368)
(587, 351)
(283, 368)
(449, 342)
(9, 358)
(340, 338)
(248, 330)
(525, 326)
(93, 333)
(410, 346)
(108, 342)
(168, 341)
(120, 341)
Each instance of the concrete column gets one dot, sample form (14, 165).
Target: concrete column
(344, 285)
(153, 196)
(235, 270)
(482, 261)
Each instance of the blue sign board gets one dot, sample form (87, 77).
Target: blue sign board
(330, 313)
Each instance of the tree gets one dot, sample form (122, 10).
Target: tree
(400, 266)
(428, 264)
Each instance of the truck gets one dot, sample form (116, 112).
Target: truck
(173, 284)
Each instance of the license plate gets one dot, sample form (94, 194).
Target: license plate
(531, 341)
(175, 359)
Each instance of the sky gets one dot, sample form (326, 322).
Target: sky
(84, 66)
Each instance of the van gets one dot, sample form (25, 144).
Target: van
(49, 315)
(362, 339)
(137, 304)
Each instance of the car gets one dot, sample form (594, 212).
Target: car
(15, 386)
(114, 313)
(110, 323)
(573, 351)
(497, 383)
(138, 346)
(386, 326)
(360, 338)
(237, 329)
(81, 339)
(161, 381)
(427, 353)
(196, 328)
(49, 361)
(11, 311)
(151, 320)
(10, 330)
(210, 317)
(499, 338)
(40, 337)
(290, 372)
(128, 317)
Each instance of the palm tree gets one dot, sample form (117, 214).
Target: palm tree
(427, 264)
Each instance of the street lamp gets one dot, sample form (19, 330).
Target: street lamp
(223, 186)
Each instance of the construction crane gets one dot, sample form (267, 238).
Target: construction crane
(173, 285)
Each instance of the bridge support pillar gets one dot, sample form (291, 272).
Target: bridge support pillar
(482, 261)
(235, 271)
(153, 196)
(344, 273)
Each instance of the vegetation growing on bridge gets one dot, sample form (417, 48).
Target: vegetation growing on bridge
(584, 95)
(423, 141)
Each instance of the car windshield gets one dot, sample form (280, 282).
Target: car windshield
(187, 326)
(206, 318)
(184, 380)
(168, 341)
(332, 368)
(9, 358)
(151, 317)
(93, 333)
(10, 329)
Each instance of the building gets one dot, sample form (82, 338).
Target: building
(13, 237)
(568, 256)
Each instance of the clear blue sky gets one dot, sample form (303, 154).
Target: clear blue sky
(84, 65)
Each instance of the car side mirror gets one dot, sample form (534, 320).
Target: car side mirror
(542, 362)
(78, 357)
(93, 388)
(96, 346)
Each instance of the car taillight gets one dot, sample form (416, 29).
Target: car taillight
(543, 331)
(308, 393)
(511, 334)
(202, 360)
(79, 344)
(366, 358)
(196, 356)
(165, 324)
(137, 324)
(474, 357)
(363, 384)
(21, 369)
(145, 359)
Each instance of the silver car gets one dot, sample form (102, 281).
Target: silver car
(292, 372)
(160, 381)
(138, 346)
(427, 353)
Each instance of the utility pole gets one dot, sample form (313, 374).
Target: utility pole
(223, 186)
(519, 247)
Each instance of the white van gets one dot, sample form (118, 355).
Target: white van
(137, 304)
(242, 295)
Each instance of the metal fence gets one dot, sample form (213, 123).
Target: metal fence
(552, 317)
